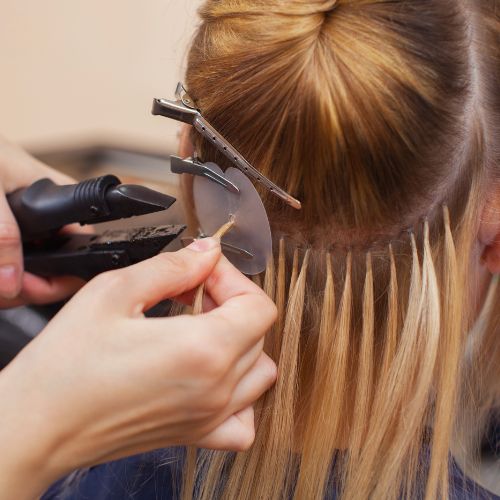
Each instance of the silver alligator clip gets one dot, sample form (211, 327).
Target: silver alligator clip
(195, 167)
(182, 95)
(185, 110)
(176, 110)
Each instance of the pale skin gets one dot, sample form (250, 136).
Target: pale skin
(487, 255)
(489, 233)
(102, 382)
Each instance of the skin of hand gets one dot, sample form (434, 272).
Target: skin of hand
(18, 169)
(103, 382)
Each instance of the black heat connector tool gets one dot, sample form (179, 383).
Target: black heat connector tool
(43, 208)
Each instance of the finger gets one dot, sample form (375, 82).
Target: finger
(248, 360)
(37, 290)
(164, 276)
(77, 228)
(240, 322)
(246, 310)
(237, 433)
(238, 326)
(226, 282)
(9, 303)
(11, 260)
(259, 379)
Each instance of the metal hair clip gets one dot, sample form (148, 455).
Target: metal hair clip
(195, 167)
(185, 110)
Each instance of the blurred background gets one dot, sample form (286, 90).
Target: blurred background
(77, 83)
(86, 71)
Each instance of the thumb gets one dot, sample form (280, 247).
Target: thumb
(164, 276)
(11, 261)
(237, 433)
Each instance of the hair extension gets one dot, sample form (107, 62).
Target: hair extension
(189, 474)
(281, 426)
(198, 299)
(451, 342)
(318, 449)
(365, 364)
(391, 339)
(280, 301)
(426, 321)
(385, 423)
(250, 463)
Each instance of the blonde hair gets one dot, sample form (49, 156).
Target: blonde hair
(383, 118)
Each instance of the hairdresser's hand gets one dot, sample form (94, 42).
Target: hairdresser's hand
(102, 382)
(18, 169)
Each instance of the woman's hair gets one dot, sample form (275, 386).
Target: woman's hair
(383, 118)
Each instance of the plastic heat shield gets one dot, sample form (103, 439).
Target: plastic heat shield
(248, 245)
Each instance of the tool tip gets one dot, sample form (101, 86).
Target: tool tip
(294, 203)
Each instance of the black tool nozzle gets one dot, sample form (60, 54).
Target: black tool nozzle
(129, 200)
(44, 207)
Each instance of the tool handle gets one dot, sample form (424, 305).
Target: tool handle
(44, 207)
(82, 264)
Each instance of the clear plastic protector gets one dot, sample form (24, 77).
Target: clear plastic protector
(251, 232)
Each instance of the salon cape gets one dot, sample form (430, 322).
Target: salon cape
(157, 476)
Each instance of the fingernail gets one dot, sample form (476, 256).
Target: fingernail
(9, 283)
(204, 245)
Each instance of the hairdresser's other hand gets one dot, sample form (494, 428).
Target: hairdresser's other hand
(19, 169)
(102, 382)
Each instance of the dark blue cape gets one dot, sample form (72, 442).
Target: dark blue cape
(156, 476)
